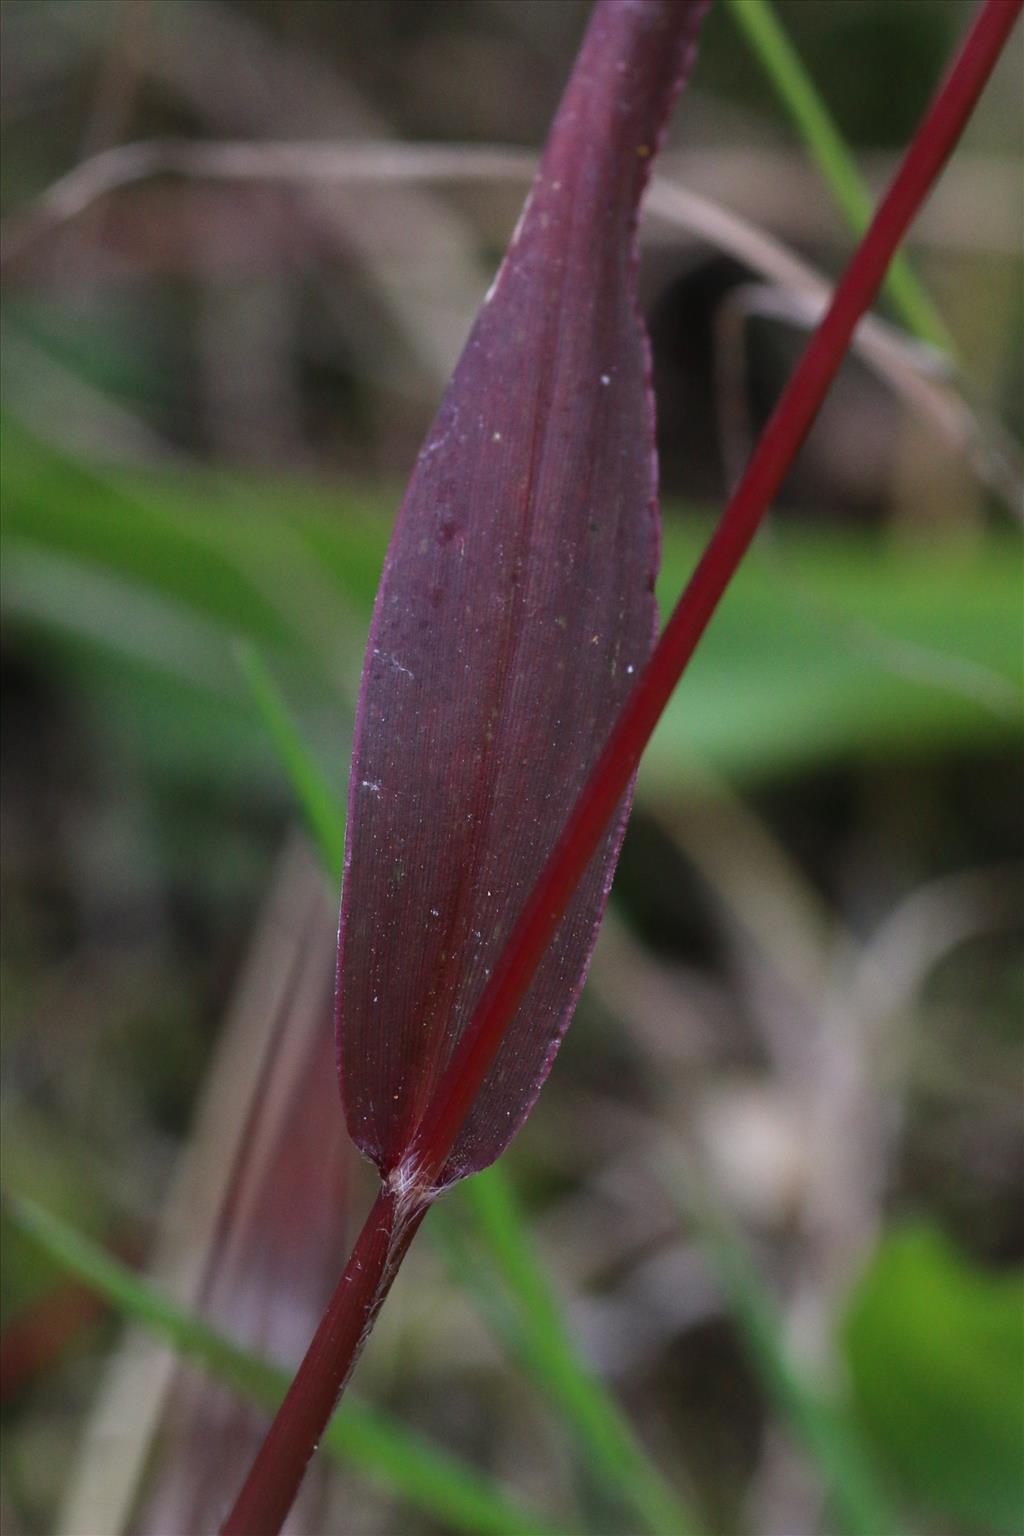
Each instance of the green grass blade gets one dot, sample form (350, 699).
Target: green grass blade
(768, 40)
(468, 1268)
(436, 1482)
(818, 1421)
(614, 1455)
(324, 817)
(132, 587)
(64, 504)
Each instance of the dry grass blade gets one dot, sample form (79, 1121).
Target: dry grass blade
(117, 1442)
(914, 373)
(274, 1256)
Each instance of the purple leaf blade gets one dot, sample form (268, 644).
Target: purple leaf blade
(515, 608)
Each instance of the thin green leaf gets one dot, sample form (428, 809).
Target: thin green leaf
(433, 1480)
(615, 1457)
(825, 144)
(324, 815)
(820, 1422)
(117, 526)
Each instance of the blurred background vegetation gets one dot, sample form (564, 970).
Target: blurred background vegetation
(754, 1264)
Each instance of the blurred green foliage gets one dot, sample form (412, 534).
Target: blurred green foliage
(379, 1446)
(827, 645)
(891, 651)
(935, 1350)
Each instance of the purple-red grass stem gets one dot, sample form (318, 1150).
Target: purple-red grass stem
(277, 1471)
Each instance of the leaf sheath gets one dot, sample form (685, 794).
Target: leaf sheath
(515, 608)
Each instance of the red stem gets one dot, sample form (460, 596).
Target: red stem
(768, 466)
(275, 1476)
